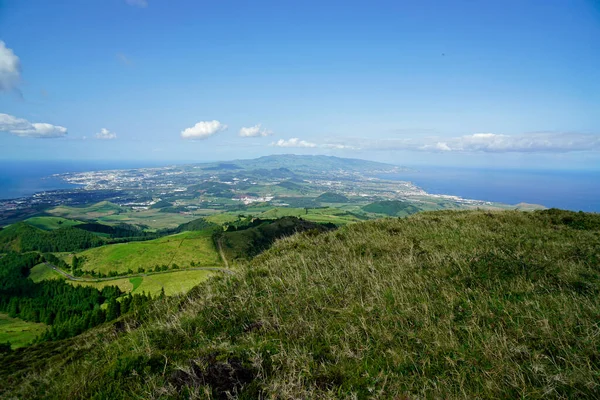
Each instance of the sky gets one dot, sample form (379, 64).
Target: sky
(500, 84)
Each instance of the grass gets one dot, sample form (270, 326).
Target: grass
(18, 332)
(51, 223)
(97, 210)
(173, 282)
(109, 213)
(321, 215)
(436, 305)
(180, 249)
(42, 272)
(136, 282)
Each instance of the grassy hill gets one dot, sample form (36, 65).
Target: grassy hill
(97, 210)
(332, 198)
(393, 208)
(438, 305)
(51, 223)
(246, 243)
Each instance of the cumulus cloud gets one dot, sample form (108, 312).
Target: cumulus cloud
(105, 134)
(24, 128)
(255, 131)
(137, 3)
(293, 142)
(10, 69)
(203, 130)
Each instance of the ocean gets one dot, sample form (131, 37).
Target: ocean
(570, 190)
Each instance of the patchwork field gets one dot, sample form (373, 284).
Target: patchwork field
(18, 332)
(181, 249)
(109, 213)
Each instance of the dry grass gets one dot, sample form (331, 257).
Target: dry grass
(439, 305)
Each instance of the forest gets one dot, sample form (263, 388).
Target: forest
(67, 309)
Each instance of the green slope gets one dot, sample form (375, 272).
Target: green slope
(24, 237)
(51, 223)
(394, 208)
(181, 249)
(332, 198)
(437, 305)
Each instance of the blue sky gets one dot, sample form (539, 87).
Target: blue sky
(507, 83)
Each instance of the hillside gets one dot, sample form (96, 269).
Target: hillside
(438, 305)
(180, 250)
(246, 242)
(394, 208)
(332, 198)
(24, 237)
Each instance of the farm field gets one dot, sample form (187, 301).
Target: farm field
(174, 282)
(42, 272)
(181, 249)
(51, 223)
(109, 213)
(18, 332)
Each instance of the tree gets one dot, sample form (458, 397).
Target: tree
(114, 310)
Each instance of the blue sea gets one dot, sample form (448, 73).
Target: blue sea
(570, 190)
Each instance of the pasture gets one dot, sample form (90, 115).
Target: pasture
(18, 332)
(173, 282)
(51, 223)
(181, 249)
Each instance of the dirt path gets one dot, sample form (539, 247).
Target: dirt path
(222, 253)
(113, 278)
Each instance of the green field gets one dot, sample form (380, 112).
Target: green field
(18, 332)
(51, 223)
(42, 272)
(180, 249)
(174, 282)
(97, 210)
(111, 214)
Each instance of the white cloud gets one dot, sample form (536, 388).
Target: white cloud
(10, 68)
(24, 128)
(531, 143)
(203, 130)
(338, 146)
(293, 142)
(137, 3)
(544, 142)
(105, 134)
(255, 131)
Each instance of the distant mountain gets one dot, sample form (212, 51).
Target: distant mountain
(310, 163)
